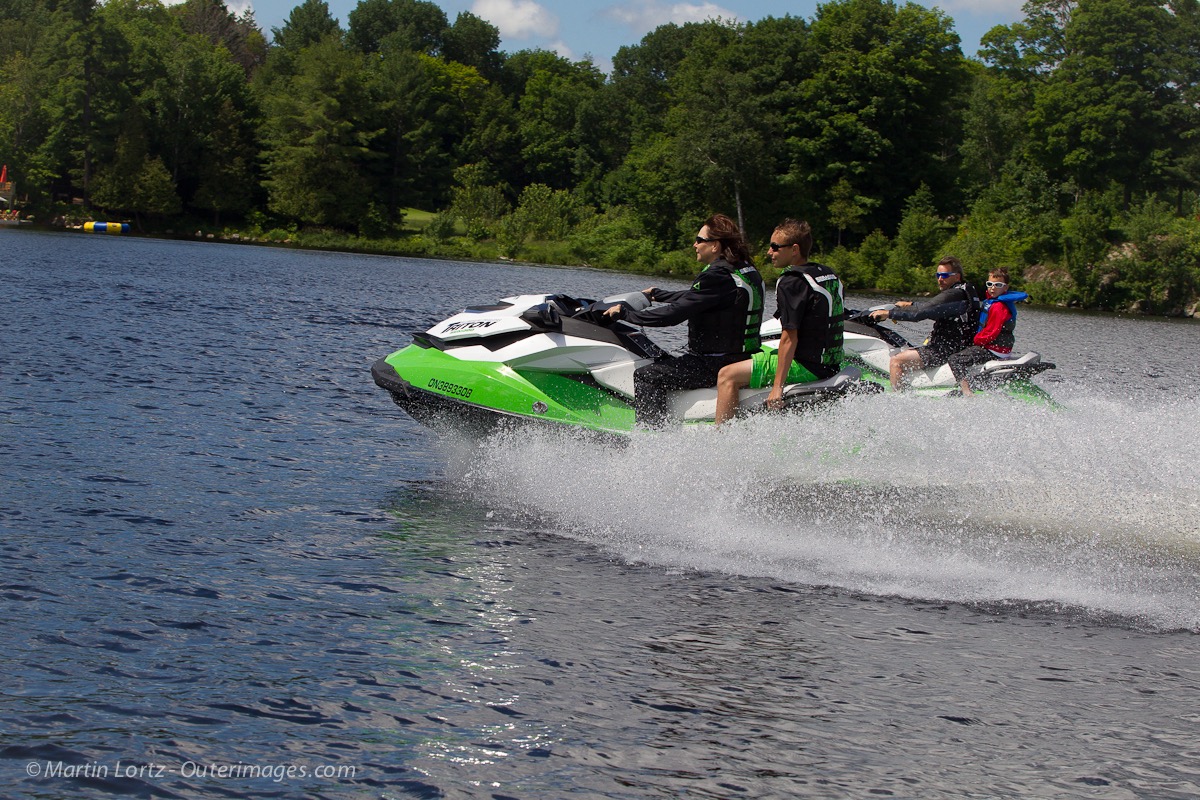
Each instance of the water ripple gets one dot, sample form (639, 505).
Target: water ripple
(227, 554)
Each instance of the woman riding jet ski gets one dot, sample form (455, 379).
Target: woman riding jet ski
(551, 358)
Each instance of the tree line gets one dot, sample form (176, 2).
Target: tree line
(1068, 151)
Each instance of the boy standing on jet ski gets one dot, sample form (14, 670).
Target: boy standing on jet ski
(809, 305)
(723, 309)
(954, 310)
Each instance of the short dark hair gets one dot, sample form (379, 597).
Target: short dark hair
(999, 272)
(795, 231)
(953, 263)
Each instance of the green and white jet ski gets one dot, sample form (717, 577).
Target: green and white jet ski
(553, 359)
(869, 345)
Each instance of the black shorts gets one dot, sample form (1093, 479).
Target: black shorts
(962, 361)
(935, 355)
(653, 382)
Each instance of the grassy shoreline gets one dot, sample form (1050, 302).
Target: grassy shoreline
(413, 242)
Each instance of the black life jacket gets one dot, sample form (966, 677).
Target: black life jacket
(819, 339)
(959, 332)
(732, 328)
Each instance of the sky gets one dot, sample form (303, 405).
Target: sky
(578, 28)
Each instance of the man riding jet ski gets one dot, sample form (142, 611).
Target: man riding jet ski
(871, 345)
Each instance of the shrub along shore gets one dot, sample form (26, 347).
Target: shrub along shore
(1153, 273)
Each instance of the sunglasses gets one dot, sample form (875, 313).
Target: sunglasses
(702, 240)
(996, 284)
(776, 246)
(943, 275)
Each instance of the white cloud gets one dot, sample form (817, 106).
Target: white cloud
(517, 19)
(562, 49)
(646, 16)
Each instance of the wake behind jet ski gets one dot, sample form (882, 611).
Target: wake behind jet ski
(556, 359)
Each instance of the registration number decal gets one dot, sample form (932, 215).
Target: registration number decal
(445, 387)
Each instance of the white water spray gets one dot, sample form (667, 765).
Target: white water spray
(1092, 506)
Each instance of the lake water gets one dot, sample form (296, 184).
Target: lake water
(232, 568)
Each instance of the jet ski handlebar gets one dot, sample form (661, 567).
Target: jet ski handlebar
(594, 311)
(548, 314)
(865, 314)
(636, 301)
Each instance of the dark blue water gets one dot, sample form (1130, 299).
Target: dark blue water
(231, 568)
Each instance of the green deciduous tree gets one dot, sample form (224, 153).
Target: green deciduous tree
(917, 245)
(879, 110)
(1085, 241)
(553, 139)
(474, 41)
(309, 23)
(154, 190)
(716, 121)
(1160, 272)
(190, 94)
(424, 109)
(316, 149)
(545, 213)
(651, 187)
(83, 62)
(617, 240)
(642, 73)
(227, 177)
(416, 25)
(1102, 113)
(846, 207)
(862, 268)
(477, 200)
(994, 130)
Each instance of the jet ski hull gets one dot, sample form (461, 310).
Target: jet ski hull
(552, 359)
(433, 388)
